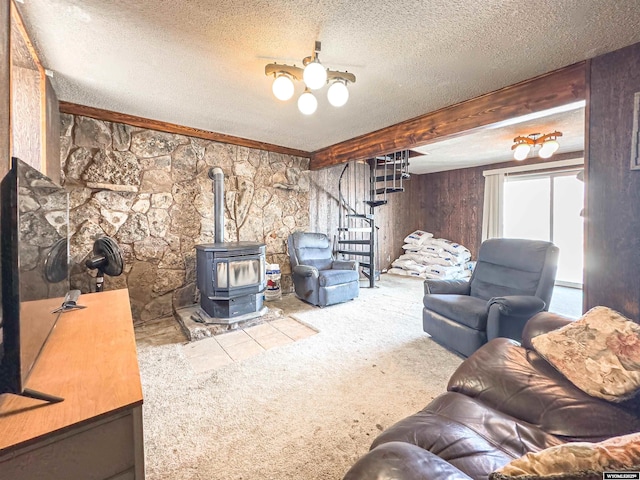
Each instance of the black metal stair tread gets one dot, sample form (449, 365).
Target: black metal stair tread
(389, 190)
(365, 265)
(376, 203)
(355, 242)
(381, 162)
(355, 229)
(397, 176)
(351, 252)
(366, 216)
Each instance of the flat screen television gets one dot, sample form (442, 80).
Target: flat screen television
(34, 214)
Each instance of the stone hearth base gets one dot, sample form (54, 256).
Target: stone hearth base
(197, 331)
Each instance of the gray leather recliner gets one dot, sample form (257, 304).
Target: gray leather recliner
(317, 277)
(512, 281)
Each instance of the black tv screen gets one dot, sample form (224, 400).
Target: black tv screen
(34, 215)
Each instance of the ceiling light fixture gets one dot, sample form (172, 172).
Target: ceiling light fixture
(283, 87)
(307, 103)
(338, 93)
(315, 76)
(547, 143)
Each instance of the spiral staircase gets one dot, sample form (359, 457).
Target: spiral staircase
(363, 187)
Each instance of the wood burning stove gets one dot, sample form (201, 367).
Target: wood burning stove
(230, 275)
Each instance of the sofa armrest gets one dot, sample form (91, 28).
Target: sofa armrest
(518, 304)
(345, 265)
(403, 461)
(541, 323)
(455, 287)
(305, 271)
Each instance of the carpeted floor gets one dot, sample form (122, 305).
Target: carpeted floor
(306, 410)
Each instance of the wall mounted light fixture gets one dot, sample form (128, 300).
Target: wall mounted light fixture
(547, 143)
(315, 76)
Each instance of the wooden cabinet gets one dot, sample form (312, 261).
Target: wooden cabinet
(96, 432)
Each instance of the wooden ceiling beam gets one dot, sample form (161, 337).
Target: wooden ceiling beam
(560, 87)
(108, 115)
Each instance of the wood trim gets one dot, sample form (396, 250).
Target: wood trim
(587, 224)
(554, 89)
(15, 15)
(5, 87)
(110, 116)
(572, 159)
(44, 131)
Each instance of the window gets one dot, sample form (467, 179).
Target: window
(548, 206)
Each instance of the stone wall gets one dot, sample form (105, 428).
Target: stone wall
(150, 191)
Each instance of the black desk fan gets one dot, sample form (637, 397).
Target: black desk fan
(107, 258)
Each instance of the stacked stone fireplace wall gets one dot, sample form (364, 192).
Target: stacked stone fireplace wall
(150, 191)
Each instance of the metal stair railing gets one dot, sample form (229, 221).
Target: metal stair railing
(357, 230)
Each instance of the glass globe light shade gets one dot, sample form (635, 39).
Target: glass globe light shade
(314, 75)
(338, 93)
(282, 87)
(307, 103)
(548, 148)
(521, 151)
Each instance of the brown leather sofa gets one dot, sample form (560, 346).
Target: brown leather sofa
(501, 403)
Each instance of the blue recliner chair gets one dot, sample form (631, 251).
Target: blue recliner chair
(512, 281)
(317, 277)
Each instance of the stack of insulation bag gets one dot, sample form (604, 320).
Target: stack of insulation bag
(437, 258)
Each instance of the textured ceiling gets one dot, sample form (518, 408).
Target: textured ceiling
(200, 63)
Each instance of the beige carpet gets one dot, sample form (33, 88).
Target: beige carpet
(303, 411)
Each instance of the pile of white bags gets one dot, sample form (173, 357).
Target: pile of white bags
(429, 257)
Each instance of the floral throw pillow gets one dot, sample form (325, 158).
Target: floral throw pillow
(599, 353)
(583, 460)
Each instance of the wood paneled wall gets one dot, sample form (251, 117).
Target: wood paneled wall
(26, 116)
(452, 205)
(323, 200)
(612, 275)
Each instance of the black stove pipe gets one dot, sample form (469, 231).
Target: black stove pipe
(217, 175)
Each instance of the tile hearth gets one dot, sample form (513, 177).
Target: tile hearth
(214, 352)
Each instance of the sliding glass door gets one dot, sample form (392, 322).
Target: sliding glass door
(548, 206)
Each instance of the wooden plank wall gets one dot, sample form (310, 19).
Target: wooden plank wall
(452, 205)
(26, 115)
(323, 200)
(401, 216)
(612, 275)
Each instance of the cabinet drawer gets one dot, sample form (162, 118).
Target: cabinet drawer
(96, 452)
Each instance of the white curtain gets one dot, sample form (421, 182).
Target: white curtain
(492, 210)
